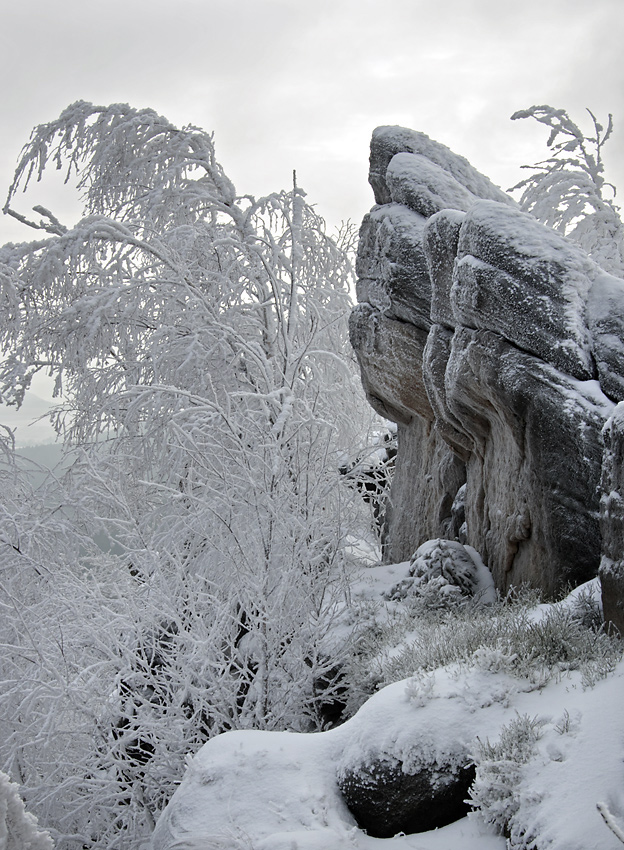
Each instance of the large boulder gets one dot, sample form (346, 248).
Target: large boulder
(605, 314)
(496, 345)
(406, 762)
(533, 472)
(391, 265)
(523, 281)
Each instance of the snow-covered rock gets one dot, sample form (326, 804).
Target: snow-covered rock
(533, 469)
(392, 268)
(497, 346)
(280, 791)
(519, 279)
(388, 795)
(388, 141)
(440, 243)
(423, 186)
(605, 313)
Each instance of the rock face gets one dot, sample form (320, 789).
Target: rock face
(496, 346)
(612, 521)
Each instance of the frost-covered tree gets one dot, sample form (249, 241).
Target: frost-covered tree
(196, 339)
(568, 191)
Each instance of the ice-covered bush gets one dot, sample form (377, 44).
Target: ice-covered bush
(568, 191)
(495, 791)
(443, 574)
(196, 340)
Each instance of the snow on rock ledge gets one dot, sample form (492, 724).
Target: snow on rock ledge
(389, 141)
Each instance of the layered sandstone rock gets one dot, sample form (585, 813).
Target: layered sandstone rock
(496, 347)
(612, 520)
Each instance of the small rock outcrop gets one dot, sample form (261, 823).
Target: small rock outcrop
(496, 346)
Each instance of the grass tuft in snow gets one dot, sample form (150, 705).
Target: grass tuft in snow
(513, 636)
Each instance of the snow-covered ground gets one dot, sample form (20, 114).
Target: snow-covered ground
(279, 791)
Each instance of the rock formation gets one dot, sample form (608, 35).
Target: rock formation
(612, 520)
(495, 344)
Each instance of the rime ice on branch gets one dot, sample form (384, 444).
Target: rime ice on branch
(196, 338)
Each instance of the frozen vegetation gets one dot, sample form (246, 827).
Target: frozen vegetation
(531, 694)
(219, 627)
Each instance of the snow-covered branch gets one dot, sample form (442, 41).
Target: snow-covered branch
(566, 191)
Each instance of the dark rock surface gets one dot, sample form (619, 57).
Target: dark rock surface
(391, 266)
(612, 521)
(390, 354)
(496, 345)
(532, 474)
(606, 324)
(386, 800)
(440, 242)
(423, 489)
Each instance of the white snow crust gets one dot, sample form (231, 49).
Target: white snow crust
(19, 829)
(617, 417)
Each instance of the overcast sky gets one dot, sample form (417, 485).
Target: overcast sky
(293, 84)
